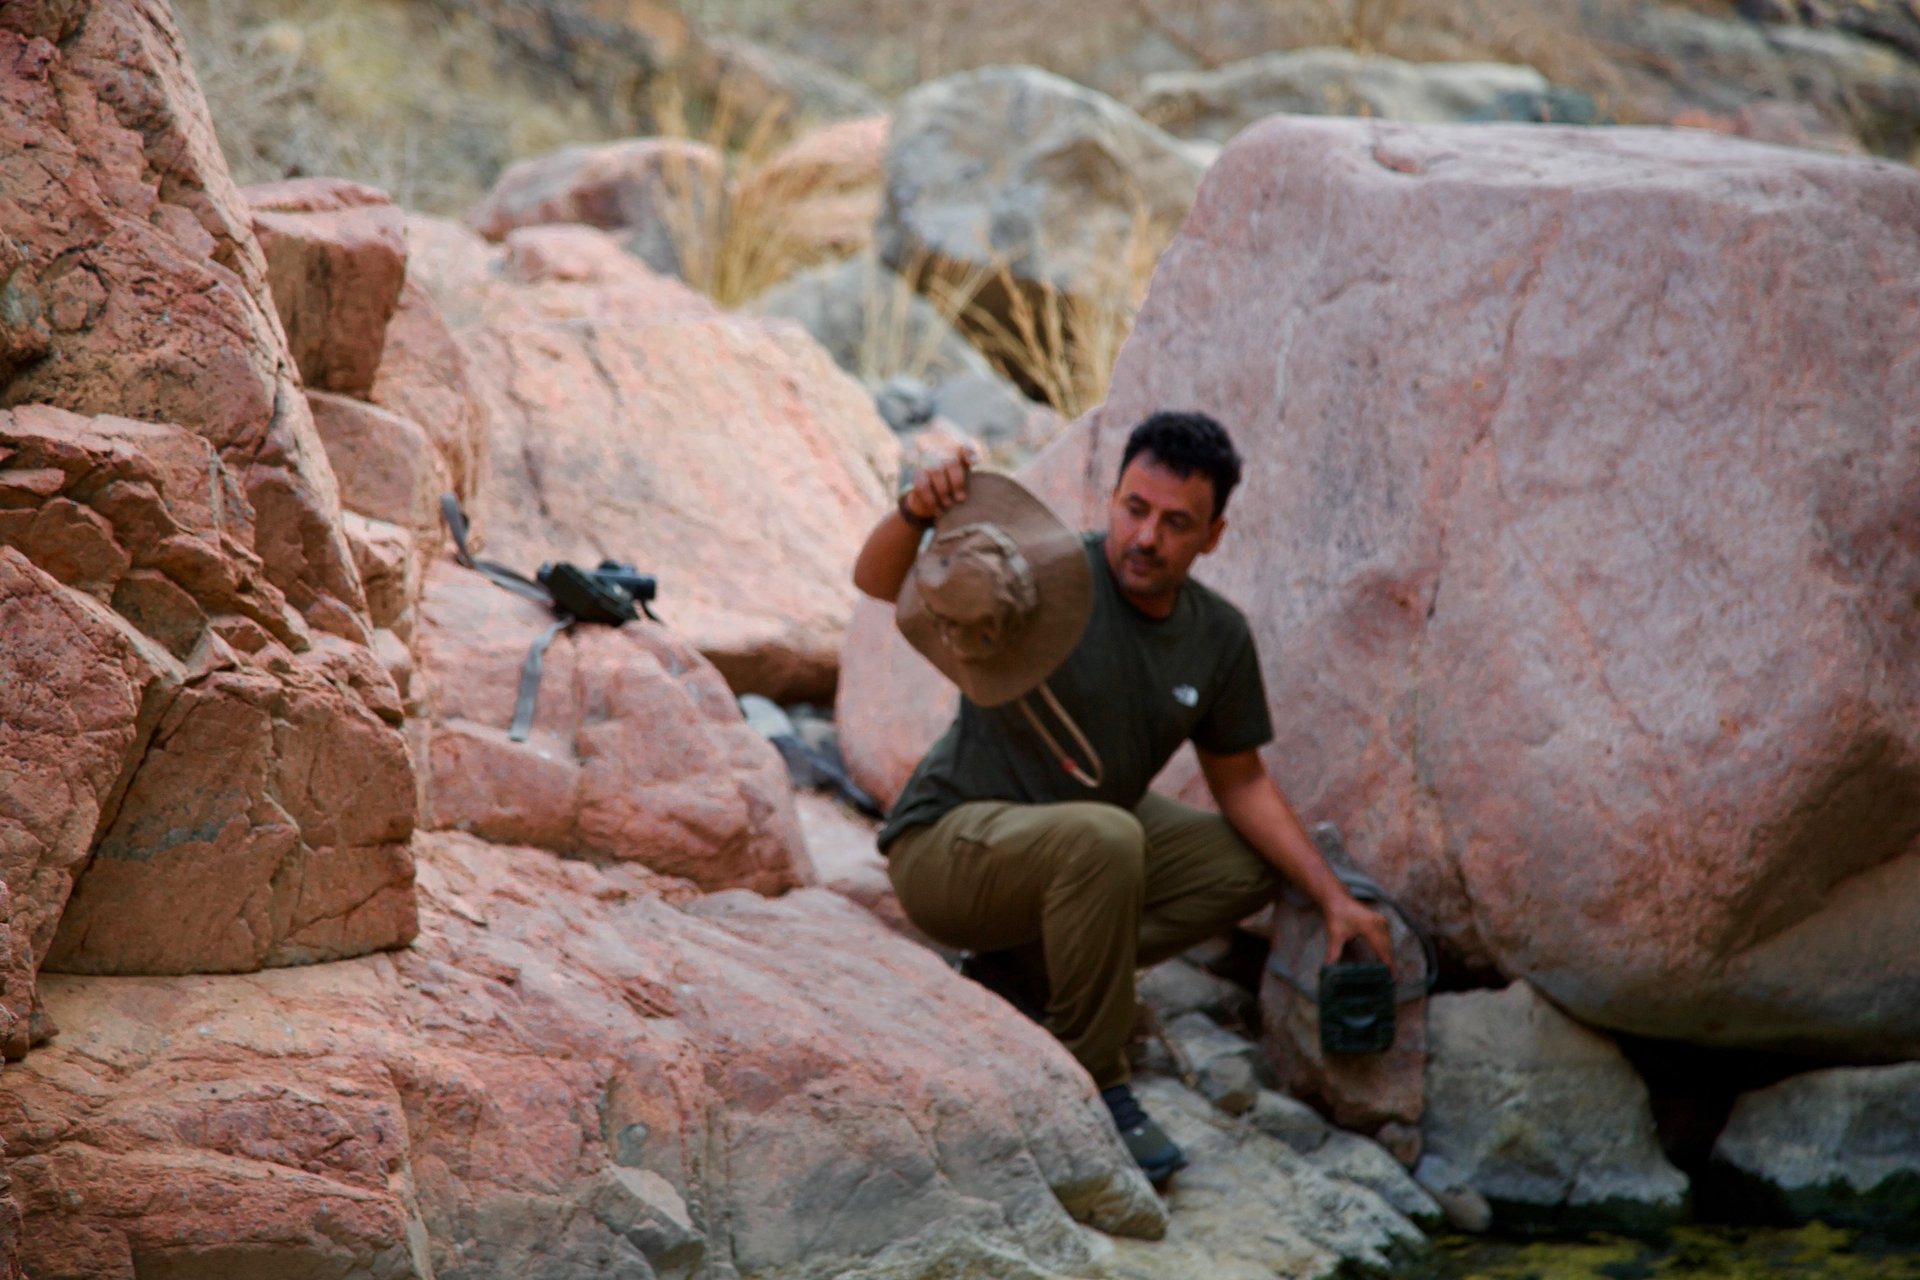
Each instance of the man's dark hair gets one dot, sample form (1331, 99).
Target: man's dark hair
(1184, 443)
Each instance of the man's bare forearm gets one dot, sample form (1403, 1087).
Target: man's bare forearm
(1250, 800)
(887, 556)
(1265, 820)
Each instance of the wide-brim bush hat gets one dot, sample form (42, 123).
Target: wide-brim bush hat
(1000, 594)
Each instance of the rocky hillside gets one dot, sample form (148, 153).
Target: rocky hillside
(338, 938)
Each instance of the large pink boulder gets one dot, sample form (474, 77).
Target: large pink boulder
(631, 419)
(336, 257)
(638, 751)
(1578, 535)
(574, 1070)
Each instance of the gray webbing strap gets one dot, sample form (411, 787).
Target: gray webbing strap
(1364, 888)
(497, 573)
(530, 681)
(520, 585)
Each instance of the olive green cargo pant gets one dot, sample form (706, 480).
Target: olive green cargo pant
(1092, 889)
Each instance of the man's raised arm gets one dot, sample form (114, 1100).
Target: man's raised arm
(887, 556)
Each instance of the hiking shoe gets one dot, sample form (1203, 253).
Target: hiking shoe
(1002, 973)
(1158, 1156)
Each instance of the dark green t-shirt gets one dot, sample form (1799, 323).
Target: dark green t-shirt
(1137, 686)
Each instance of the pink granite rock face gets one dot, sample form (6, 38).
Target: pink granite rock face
(1578, 536)
(630, 419)
(225, 767)
(423, 377)
(151, 285)
(189, 587)
(336, 256)
(638, 752)
(574, 1070)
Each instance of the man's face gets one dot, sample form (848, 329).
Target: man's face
(1157, 523)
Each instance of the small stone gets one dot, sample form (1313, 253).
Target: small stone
(765, 717)
(1178, 987)
(1292, 1122)
(1466, 1209)
(905, 403)
(1224, 1063)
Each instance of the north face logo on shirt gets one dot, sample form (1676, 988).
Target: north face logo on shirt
(1186, 695)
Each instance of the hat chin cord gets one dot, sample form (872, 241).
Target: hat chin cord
(1067, 762)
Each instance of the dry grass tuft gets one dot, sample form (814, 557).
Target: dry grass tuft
(734, 251)
(1058, 346)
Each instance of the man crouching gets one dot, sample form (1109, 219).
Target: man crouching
(1028, 835)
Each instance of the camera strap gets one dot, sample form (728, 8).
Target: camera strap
(575, 594)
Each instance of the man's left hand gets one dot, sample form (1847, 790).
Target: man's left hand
(1347, 919)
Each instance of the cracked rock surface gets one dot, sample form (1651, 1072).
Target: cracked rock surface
(203, 762)
(574, 1071)
(637, 751)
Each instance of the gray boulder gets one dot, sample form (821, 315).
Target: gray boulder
(1015, 167)
(1841, 1145)
(1215, 105)
(1543, 1116)
(1721, 66)
(1225, 1065)
(872, 323)
(879, 330)
(1250, 1206)
(984, 405)
(1349, 1157)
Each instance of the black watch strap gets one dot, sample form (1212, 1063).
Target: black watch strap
(918, 522)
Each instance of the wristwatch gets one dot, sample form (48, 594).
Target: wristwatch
(922, 523)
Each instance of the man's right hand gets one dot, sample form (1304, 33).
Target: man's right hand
(940, 487)
(888, 554)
